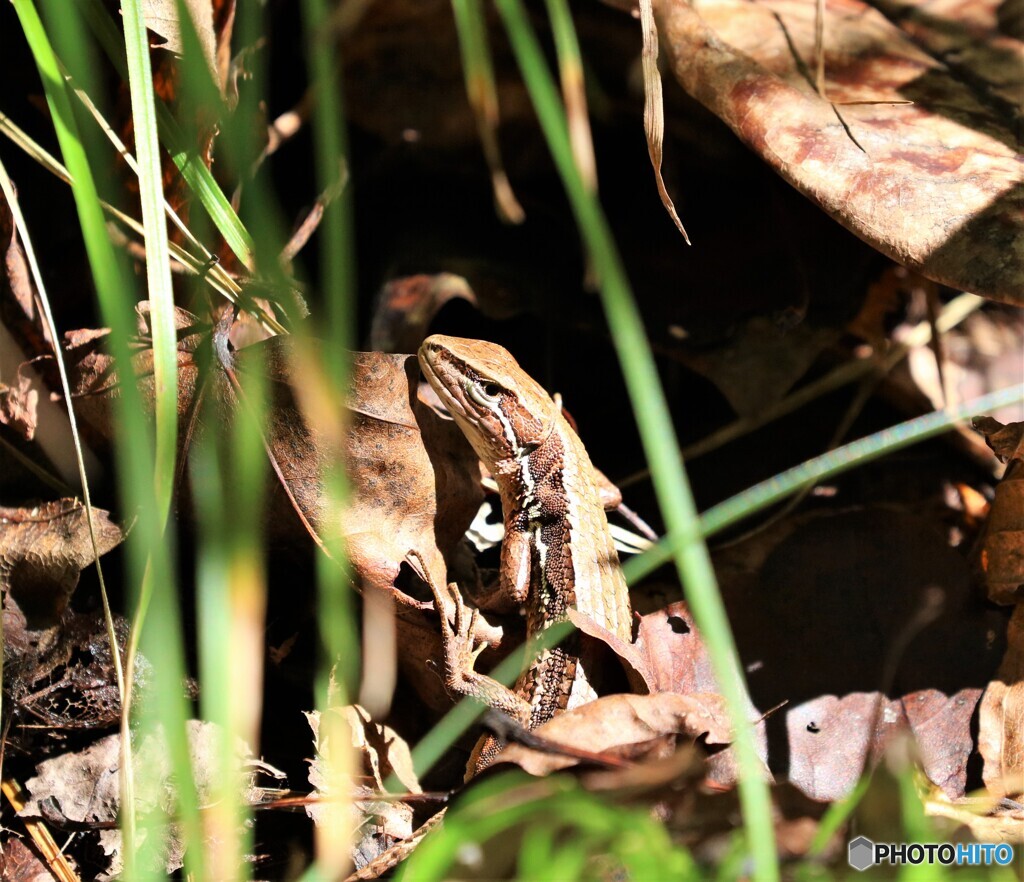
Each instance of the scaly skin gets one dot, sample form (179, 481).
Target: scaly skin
(557, 554)
(558, 551)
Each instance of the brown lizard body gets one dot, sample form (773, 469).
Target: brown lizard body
(557, 554)
(558, 551)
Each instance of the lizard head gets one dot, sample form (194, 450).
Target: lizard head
(500, 408)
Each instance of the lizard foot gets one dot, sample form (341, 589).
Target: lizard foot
(461, 649)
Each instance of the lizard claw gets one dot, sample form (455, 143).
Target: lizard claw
(461, 647)
(460, 637)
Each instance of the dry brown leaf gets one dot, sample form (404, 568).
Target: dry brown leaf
(19, 863)
(935, 185)
(43, 550)
(406, 306)
(19, 403)
(1001, 720)
(641, 676)
(941, 727)
(675, 654)
(833, 741)
(1002, 547)
(654, 109)
(864, 623)
(414, 480)
(84, 787)
(760, 364)
(632, 725)
(381, 751)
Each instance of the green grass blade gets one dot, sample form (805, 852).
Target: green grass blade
(164, 644)
(158, 268)
(657, 434)
(574, 92)
(581, 835)
(229, 472)
(339, 662)
(213, 273)
(148, 544)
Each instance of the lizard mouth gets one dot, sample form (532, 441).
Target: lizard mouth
(428, 357)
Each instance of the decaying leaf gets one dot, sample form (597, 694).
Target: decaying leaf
(406, 306)
(1002, 547)
(84, 787)
(674, 652)
(760, 364)
(19, 863)
(19, 403)
(862, 624)
(635, 726)
(833, 739)
(381, 752)
(42, 552)
(1001, 720)
(414, 479)
(63, 675)
(935, 184)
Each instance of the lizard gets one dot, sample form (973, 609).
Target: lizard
(558, 552)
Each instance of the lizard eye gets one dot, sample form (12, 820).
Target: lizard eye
(485, 394)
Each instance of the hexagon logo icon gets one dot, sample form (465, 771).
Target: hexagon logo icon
(862, 853)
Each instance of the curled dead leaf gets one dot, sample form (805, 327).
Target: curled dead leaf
(43, 550)
(19, 403)
(381, 752)
(1002, 546)
(1001, 719)
(633, 726)
(414, 480)
(406, 306)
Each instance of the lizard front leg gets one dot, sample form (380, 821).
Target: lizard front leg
(461, 650)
